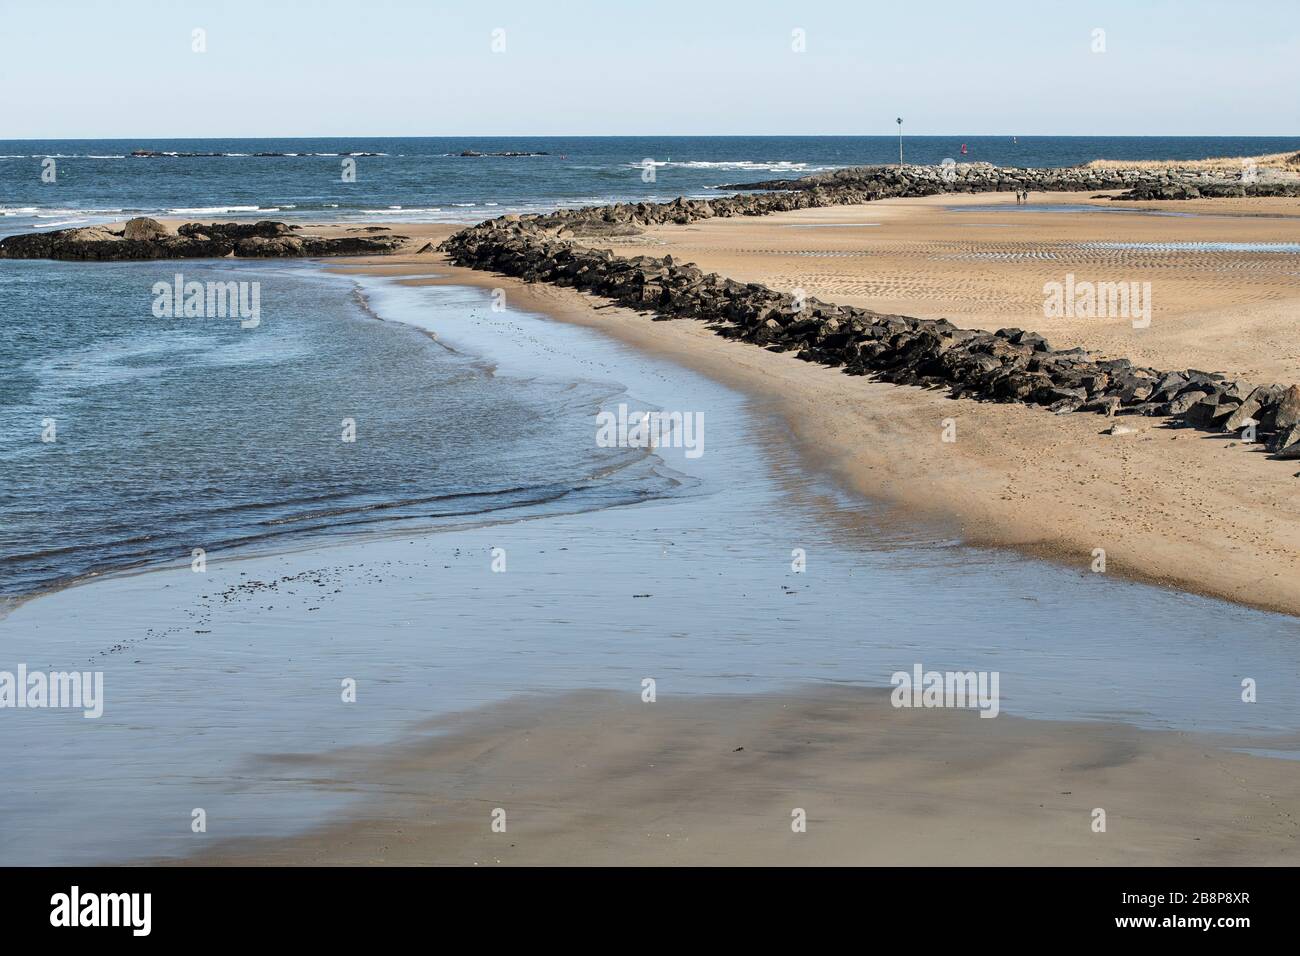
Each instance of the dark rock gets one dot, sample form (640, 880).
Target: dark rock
(1106, 405)
(265, 229)
(147, 239)
(1185, 401)
(1258, 397)
(1288, 409)
(144, 228)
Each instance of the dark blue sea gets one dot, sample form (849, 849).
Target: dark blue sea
(427, 179)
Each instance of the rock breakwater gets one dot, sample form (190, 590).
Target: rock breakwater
(1137, 183)
(1009, 365)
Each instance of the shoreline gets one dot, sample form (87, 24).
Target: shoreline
(884, 466)
(1242, 547)
(772, 380)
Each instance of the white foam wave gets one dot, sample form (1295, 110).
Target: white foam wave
(399, 211)
(744, 165)
(214, 210)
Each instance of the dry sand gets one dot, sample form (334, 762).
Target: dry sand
(986, 267)
(598, 779)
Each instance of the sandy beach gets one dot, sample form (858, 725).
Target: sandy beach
(1198, 512)
(981, 262)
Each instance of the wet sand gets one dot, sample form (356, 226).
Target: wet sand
(604, 779)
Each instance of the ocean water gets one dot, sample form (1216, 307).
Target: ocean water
(175, 434)
(425, 179)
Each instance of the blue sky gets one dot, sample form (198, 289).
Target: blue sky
(71, 68)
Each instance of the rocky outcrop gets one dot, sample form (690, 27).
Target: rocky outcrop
(1009, 365)
(234, 231)
(100, 244)
(148, 239)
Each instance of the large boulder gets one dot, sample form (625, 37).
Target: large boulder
(143, 228)
(1288, 409)
(1248, 409)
